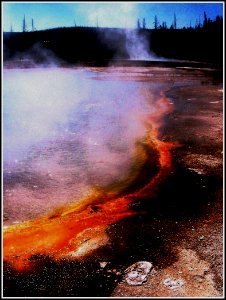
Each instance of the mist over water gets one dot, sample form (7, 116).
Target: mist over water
(67, 131)
(43, 105)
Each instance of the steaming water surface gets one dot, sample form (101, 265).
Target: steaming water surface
(67, 131)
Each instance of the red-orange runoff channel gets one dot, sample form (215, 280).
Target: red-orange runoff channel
(75, 230)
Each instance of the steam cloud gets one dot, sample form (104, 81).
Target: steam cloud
(138, 47)
(65, 131)
(125, 15)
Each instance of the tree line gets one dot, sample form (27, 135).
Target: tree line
(206, 24)
(142, 24)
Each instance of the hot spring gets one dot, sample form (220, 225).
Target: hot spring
(79, 145)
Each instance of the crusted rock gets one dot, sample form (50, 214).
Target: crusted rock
(137, 273)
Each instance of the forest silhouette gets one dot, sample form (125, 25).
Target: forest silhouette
(99, 46)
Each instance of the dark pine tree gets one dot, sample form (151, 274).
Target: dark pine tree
(144, 23)
(24, 27)
(174, 21)
(156, 23)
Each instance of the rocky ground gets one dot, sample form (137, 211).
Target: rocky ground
(188, 219)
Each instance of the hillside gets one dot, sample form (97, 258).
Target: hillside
(101, 45)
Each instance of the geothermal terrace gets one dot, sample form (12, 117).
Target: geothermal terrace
(105, 167)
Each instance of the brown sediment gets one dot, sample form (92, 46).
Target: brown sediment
(75, 230)
(189, 276)
(189, 227)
